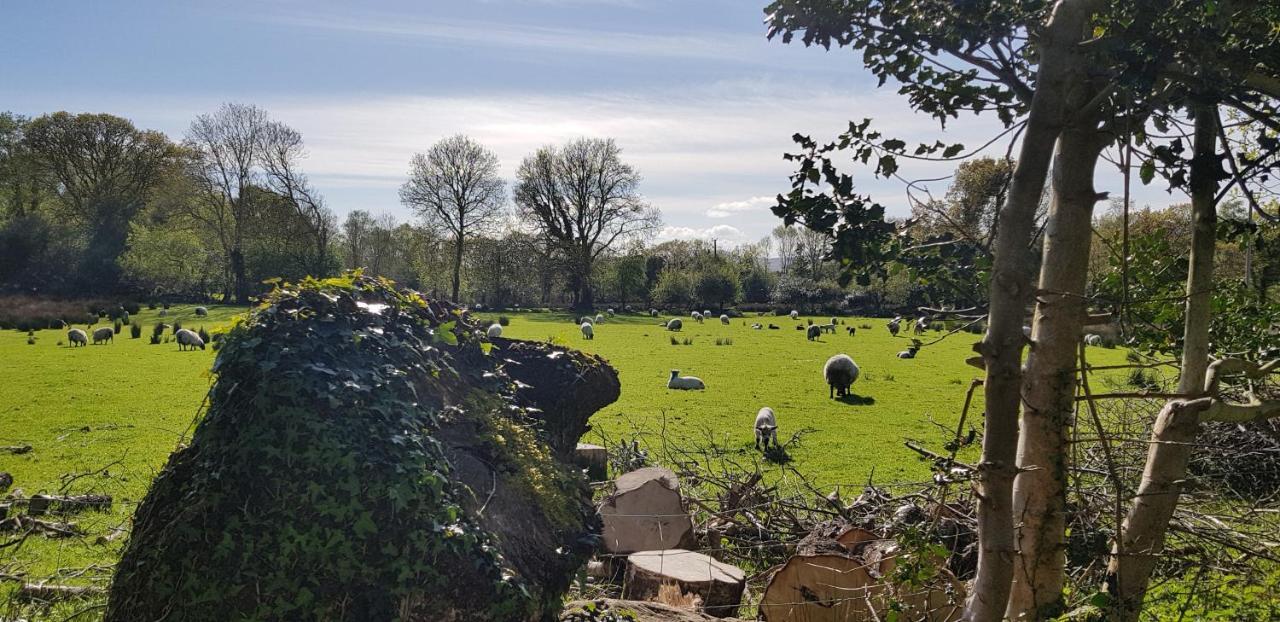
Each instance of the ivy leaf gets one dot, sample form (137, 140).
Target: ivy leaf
(1147, 172)
(444, 334)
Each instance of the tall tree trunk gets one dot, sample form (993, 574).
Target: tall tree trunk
(457, 266)
(239, 277)
(1048, 387)
(1011, 291)
(1134, 557)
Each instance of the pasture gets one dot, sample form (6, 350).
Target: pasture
(104, 418)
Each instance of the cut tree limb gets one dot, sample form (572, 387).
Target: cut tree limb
(646, 513)
(718, 585)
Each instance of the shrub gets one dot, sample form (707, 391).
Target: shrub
(155, 339)
(204, 335)
(151, 305)
(1142, 379)
(125, 317)
(726, 341)
(864, 326)
(504, 320)
(135, 331)
(165, 305)
(177, 326)
(31, 341)
(674, 341)
(116, 327)
(157, 331)
(131, 307)
(688, 341)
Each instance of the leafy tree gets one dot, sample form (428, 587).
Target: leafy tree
(674, 289)
(718, 285)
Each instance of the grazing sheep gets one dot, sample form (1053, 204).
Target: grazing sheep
(834, 320)
(766, 428)
(909, 353)
(921, 325)
(795, 314)
(608, 312)
(690, 383)
(187, 339)
(828, 328)
(586, 319)
(77, 337)
(675, 324)
(599, 319)
(201, 311)
(653, 313)
(894, 326)
(813, 333)
(706, 313)
(1093, 340)
(724, 319)
(840, 372)
(103, 334)
(588, 331)
(495, 330)
(851, 330)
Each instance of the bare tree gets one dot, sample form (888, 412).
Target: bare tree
(282, 150)
(455, 187)
(582, 198)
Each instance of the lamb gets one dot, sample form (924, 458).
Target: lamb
(766, 428)
(689, 383)
(813, 333)
(724, 319)
(103, 334)
(1093, 340)
(495, 330)
(201, 311)
(795, 314)
(675, 324)
(840, 372)
(588, 332)
(188, 339)
(77, 337)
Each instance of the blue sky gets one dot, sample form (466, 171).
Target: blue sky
(701, 103)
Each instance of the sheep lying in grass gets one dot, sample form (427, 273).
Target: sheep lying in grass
(103, 334)
(188, 339)
(675, 324)
(201, 311)
(795, 314)
(690, 383)
(766, 428)
(909, 353)
(840, 372)
(757, 326)
(1093, 340)
(828, 328)
(588, 331)
(77, 337)
(813, 333)
(851, 330)
(495, 330)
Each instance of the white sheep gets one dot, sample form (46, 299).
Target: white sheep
(675, 324)
(599, 319)
(840, 372)
(697, 317)
(188, 339)
(828, 328)
(835, 320)
(766, 428)
(1093, 340)
(684, 382)
(586, 319)
(757, 326)
(77, 337)
(894, 326)
(588, 332)
(921, 325)
(609, 312)
(795, 314)
(495, 330)
(653, 313)
(724, 319)
(103, 334)
(201, 311)
(909, 353)
(813, 332)
(706, 313)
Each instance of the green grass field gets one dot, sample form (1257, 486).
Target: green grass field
(104, 418)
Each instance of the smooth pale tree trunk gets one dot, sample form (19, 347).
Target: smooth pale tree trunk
(1134, 557)
(1011, 291)
(1048, 385)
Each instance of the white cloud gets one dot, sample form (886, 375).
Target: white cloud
(725, 210)
(728, 234)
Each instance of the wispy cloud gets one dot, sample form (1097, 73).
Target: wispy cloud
(723, 233)
(698, 45)
(727, 209)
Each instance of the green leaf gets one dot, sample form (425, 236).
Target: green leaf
(1147, 172)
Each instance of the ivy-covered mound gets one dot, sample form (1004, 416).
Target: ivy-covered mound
(367, 455)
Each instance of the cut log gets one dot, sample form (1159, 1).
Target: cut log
(46, 593)
(829, 580)
(646, 513)
(593, 458)
(582, 611)
(16, 449)
(718, 586)
(53, 504)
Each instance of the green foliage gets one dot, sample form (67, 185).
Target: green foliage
(204, 335)
(116, 327)
(177, 326)
(717, 286)
(504, 320)
(674, 289)
(135, 331)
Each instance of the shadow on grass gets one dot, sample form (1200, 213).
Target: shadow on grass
(777, 454)
(854, 399)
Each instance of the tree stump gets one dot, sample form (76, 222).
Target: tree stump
(646, 513)
(846, 576)
(718, 585)
(593, 458)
